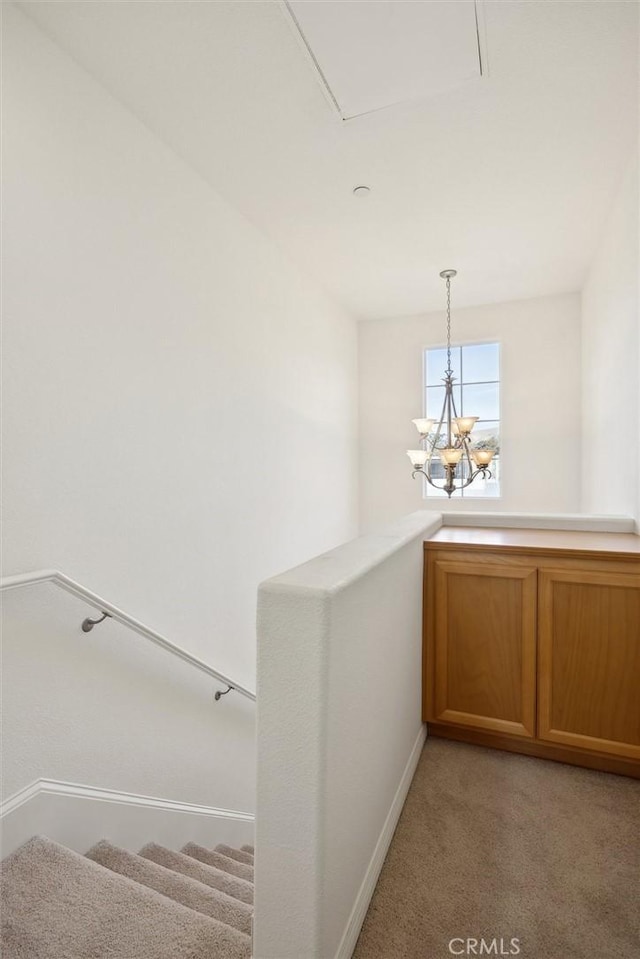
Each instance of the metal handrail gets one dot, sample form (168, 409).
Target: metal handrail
(113, 612)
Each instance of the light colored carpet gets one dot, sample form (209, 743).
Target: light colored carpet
(240, 889)
(491, 845)
(231, 853)
(189, 892)
(212, 858)
(57, 904)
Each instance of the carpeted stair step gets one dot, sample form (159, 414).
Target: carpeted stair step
(216, 859)
(248, 849)
(239, 854)
(57, 904)
(182, 889)
(216, 878)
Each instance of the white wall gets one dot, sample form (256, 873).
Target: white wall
(107, 709)
(339, 734)
(540, 405)
(110, 710)
(611, 360)
(179, 400)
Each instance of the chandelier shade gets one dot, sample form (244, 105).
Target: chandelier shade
(447, 441)
(423, 426)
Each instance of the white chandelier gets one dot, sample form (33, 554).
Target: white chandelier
(450, 441)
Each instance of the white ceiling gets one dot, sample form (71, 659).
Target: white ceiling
(506, 178)
(373, 55)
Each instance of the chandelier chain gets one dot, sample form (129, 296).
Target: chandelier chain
(449, 370)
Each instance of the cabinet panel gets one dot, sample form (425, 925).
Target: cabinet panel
(589, 660)
(484, 649)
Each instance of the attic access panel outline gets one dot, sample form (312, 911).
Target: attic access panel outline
(371, 56)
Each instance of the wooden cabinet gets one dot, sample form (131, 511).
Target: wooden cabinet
(485, 646)
(532, 643)
(589, 660)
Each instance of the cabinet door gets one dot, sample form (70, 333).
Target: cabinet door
(485, 646)
(589, 660)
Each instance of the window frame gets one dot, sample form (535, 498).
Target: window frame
(458, 344)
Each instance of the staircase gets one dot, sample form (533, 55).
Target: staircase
(113, 904)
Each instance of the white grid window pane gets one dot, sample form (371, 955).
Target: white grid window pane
(481, 363)
(486, 488)
(486, 435)
(481, 400)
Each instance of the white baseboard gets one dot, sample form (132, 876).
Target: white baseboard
(79, 815)
(361, 905)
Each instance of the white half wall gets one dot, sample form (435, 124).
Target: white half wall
(577, 521)
(180, 400)
(540, 400)
(611, 360)
(339, 735)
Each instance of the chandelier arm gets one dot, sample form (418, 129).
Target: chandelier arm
(461, 441)
(453, 401)
(448, 401)
(472, 472)
(467, 453)
(435, 440)
(428, 479)
(429, 445)
(486, 473)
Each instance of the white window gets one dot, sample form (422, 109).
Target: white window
(476, 392)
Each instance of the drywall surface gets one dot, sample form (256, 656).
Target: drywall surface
(540, 406)
(180, 400)
(339, 692)
(107, 709)
(611, 361)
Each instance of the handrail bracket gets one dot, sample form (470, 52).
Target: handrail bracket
(88, 624)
